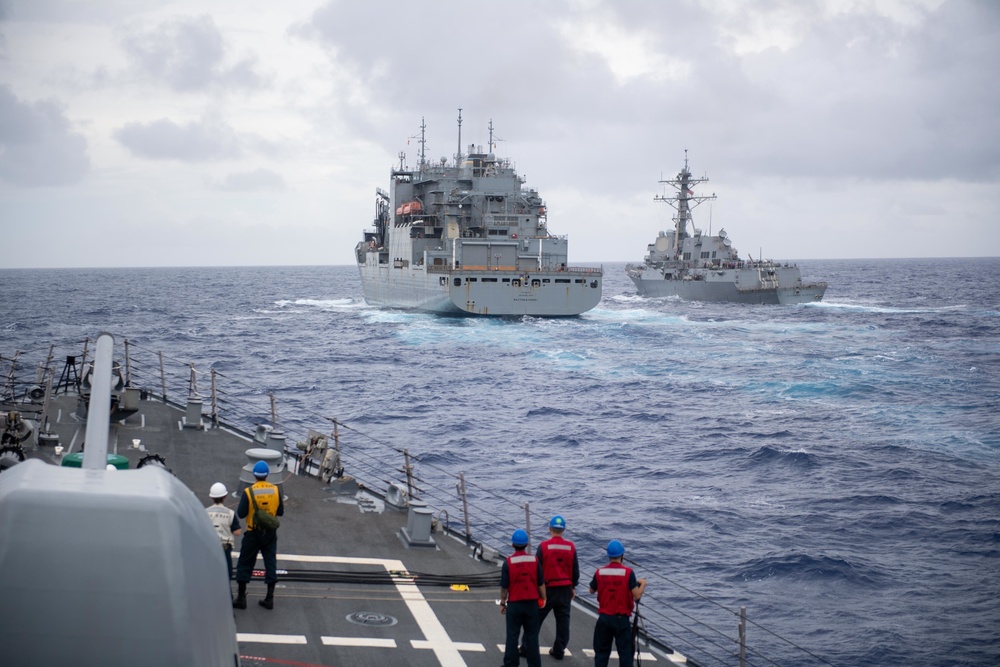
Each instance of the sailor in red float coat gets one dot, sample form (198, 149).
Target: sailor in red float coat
(561, 570)
(617, 592)
(614, 592)
(522, 592)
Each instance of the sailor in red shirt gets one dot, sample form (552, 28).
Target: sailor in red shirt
(617, 592)
(561, 571)
(522, 592)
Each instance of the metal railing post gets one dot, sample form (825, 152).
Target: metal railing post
(215, 400)
(743, 636)
(408, 469)
(48, 363)
(8, 389)
(163, 377)
(274, 411)
(527, 521)
(465, 506)
(83, 358)
(128, 365)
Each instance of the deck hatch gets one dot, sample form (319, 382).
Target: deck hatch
(371, 618)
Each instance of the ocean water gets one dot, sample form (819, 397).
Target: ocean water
(832, 467)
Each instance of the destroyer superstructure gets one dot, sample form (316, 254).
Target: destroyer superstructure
(700, 267)
(465, 238)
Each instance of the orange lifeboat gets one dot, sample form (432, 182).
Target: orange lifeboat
(409, 208)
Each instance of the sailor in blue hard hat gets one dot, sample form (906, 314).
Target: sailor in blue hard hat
(561, 573)
(617, 592)
(522, 592)
(262, 496)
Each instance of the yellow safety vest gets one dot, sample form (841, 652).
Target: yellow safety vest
(266, 495)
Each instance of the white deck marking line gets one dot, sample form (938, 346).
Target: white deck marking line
(543, 651)
(250, 637)
(437, 638)
(589, 652)
(461, 646)
(358, 641)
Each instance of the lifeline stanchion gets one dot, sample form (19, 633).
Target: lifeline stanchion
(635, 636)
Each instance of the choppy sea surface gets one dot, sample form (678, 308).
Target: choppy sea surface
(833, 467)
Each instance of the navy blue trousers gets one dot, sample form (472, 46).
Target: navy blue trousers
(523, 614)
(558, 600)
(266, 544)
(617, 629)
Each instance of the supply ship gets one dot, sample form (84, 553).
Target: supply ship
(700, 267)
(465, 238)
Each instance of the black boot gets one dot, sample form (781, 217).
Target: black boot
(241, 596)
(268, 601)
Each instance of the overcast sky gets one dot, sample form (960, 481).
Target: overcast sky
(255, 132)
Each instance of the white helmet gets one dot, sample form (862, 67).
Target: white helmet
(218, 490)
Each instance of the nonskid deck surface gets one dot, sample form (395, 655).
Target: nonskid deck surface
(350, 591)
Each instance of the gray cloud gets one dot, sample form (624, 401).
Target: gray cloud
(37, 144)
(197, 141)
(258, 180)
(187, 54)
(858, 96)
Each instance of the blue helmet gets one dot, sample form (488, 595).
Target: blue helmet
(260, 470)
(557, 522)
(519, 538)
(615, 549)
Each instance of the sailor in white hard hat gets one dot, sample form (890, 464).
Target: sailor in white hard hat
(227, 525)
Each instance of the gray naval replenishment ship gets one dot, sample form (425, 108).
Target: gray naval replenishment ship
(107, 556)
(699, 267)
(465, 238)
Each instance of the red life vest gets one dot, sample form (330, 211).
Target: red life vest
(613, 593)
(522, 569)
(557, 561)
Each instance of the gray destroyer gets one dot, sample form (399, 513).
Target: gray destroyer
(465, 238)
(699, 267)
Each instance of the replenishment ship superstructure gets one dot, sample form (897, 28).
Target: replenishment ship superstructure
(465, 238)
(700, 267)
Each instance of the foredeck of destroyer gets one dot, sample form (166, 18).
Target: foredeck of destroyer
(350, 591)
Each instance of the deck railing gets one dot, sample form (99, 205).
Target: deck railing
(674, 617)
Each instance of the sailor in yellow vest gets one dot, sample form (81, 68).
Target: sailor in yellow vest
(257, 540)
(225, 522)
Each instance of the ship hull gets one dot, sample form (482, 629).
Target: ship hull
(563, 293)
(745, 286)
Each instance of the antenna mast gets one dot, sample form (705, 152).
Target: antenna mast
(423, 143)
(683, 201)
(458, 158)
